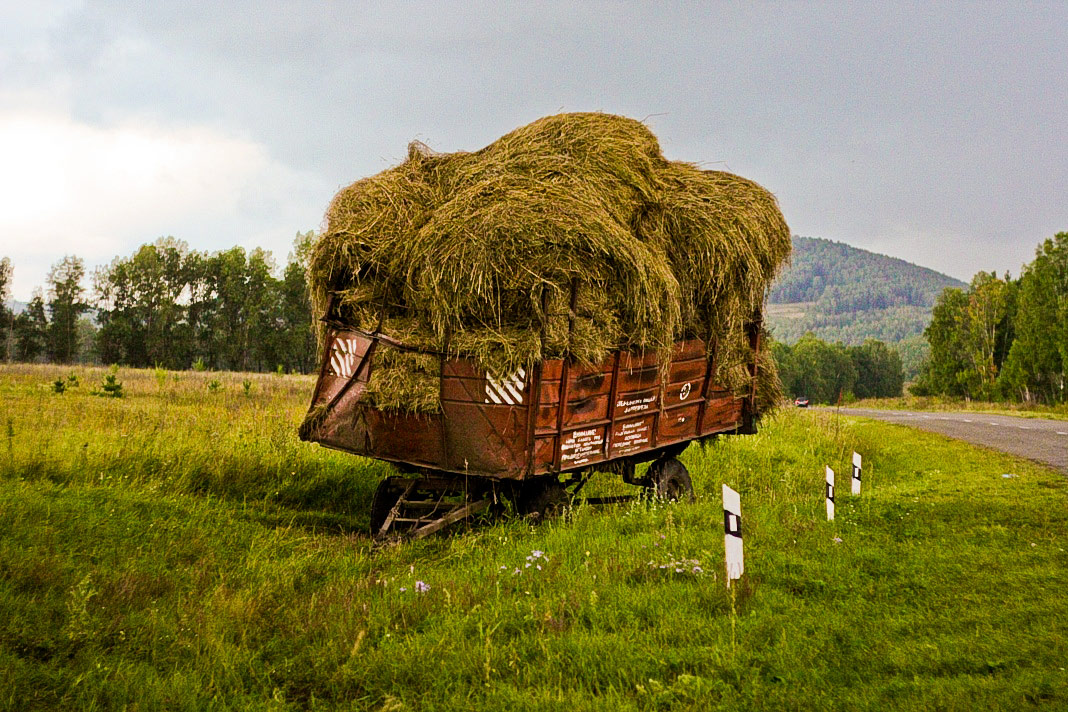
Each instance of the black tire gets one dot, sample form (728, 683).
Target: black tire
(670, 480)
(541, 500)
(386, 495)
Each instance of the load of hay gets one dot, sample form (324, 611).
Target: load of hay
(475, 254)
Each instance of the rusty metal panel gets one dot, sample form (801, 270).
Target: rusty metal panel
(399, 437)
(721, 413)
(340, 361)
(485, 439)
(630, 404)
(631, 436)
(514, 426)
(690, 349)
(686, 371)
(636, 361)
(637, 379)
(461, 368)
(678, 424)
(685, 393)
(582, 447)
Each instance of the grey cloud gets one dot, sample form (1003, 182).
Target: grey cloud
(873, 123)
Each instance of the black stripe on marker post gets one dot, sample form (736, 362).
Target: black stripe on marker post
(737, 521)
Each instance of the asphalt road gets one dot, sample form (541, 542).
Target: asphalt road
(1044, 441)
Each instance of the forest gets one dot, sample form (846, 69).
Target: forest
(1003, 338)
(166, 305)
(169, 306)
(841, 293)
(828, 373)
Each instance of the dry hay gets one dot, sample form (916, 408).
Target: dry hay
(475, 254)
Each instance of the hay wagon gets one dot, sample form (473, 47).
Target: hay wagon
(532, 437)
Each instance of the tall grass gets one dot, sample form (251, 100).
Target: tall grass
(179, 549)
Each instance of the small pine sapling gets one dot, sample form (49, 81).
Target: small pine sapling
(111, 387)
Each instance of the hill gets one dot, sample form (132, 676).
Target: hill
(843, 293)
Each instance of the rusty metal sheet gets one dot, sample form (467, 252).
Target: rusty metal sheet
(723, 413)
(638, 360)
(589, 383)
(586, 410)
(632, 435)
(689, 349)
(489, 426)
(680, 371)
(685, 393)
(637, 379)
(485, 439)
(630, 404)
(582, 447)
(678, 424)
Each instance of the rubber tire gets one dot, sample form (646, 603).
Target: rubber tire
(386, 495)
(670, 480)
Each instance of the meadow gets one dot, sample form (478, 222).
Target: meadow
(946, 403)
(179, 548)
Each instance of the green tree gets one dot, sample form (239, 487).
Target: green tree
(947, 356)
(879, 372)
(814, 369)
(31, 329)
(237, 307)
(981, 320)
(65, 304)
(7, 318)
(1038, 356)
(969, 334)
(142, 317)
(295, 320)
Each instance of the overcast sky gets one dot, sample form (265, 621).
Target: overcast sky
(934, 133)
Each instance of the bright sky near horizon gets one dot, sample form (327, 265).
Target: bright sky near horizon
(933, 132)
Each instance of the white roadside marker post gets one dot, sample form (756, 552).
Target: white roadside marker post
(830, 494)
(732, 534)
(856, 473)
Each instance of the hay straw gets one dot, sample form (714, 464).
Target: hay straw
(457, 252)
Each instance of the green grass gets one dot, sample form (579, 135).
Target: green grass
(943, 403)
(179, 549)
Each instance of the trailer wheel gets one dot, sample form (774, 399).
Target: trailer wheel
(542, 500)
(670, 480)
(386, 495)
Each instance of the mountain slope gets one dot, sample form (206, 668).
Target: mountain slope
(843, 293)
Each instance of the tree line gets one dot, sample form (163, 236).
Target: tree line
(166, 305)
(824, 372)
(1002, 337)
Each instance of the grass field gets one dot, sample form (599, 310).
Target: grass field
(179, 548)
(942, 404)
